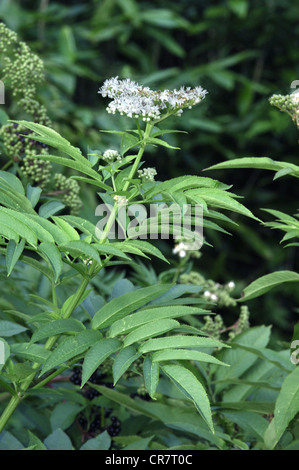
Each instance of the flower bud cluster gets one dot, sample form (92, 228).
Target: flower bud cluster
(242, 324)
(288, 104)
(110, 156)
(70, 190)
(38, 171)
(135, 101)
(215, 326)
(23, 70)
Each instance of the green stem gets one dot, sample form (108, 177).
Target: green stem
(114, 212)
(12, 405)
(147, 132)
(7, 165)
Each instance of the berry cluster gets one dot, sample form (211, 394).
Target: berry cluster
(75, 378)
(115, 427)
(97, 422)
(69, 190)
(97, 378)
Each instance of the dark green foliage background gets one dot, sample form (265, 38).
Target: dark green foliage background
(241, 51)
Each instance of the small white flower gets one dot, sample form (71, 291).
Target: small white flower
(180, 250)
(207, 294)
(295, 98)
(87, 262)
(231, 285)
(120, 200)
(214, 297)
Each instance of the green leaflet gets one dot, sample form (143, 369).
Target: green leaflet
(151, 376)
(67, 228)
(263, 163)
(58, 440)
(63, 415)
(150, 330)
(42, 234)
(263, 284)
(83, 225)
(78, 166)
(53, 256)
(81, 249)
(179, 341)
(9, 328)
(145, 247)
(33, 193)
(218, 198)
(14, 199)
(110, 249)
(135, 320)
(32, 352)
(70, 348)
(9, 233)
(50, 208)
(12, 220)
(52, 138)
(183, 183)
(126, 304)
(101, 442)
(59, 235)
(35, 442)
(189, 384)
(9, 180)
(123, 361)
(286, 408)
(96, 355)
(13, 254)
(241, 360)
(4, 351)
(186, 355)
(56, 327)
(252, 423)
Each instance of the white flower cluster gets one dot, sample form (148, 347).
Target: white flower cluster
(209, 295)
(120, 200)
(147, 174)
(213, 296)
(111, 156)
(136, 101)
(295, 98)
(180, 249)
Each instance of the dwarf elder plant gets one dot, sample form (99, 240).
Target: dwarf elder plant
(139, 325)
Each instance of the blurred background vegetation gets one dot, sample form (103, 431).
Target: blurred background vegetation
(241, 51)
